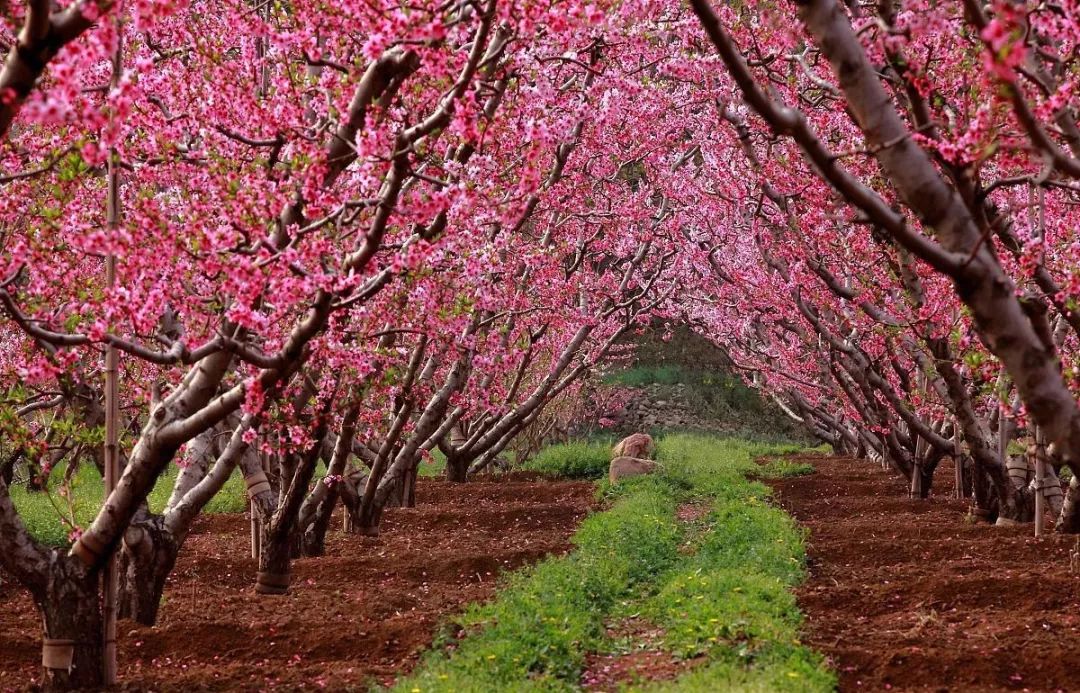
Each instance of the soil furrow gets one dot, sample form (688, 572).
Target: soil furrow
(909, 595)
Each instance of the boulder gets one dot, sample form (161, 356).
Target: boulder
(624, 467)
(638, 445)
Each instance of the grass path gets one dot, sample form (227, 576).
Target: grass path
(715, 587)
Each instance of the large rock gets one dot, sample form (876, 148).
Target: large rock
(624, 467)
(638, 445)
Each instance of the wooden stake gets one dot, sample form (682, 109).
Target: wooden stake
(1040, 479)
(112, 405)
(920, 448)
(1003, 433)
(916, 471)
(958, 463)
(256, 536)
(256, 524)
(264, 86)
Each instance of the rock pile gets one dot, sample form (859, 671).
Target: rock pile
(663, 406)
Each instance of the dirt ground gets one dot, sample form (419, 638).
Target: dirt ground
(358, 616)
(906, 595)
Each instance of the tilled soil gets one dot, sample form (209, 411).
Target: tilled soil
(908, 595)
(358, 616)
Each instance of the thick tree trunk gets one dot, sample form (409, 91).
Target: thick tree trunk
(368, 516)
(314, 543)
(147, 557)
(282, 539)
(396, 489)
(457, 468)
(457, 460)
(400, 489)
(71, 610)
(366, 522)
(925, 475)
(408, 488)
(35, 479)
(274, 562)
(7, 469)
(1069, 520)
(964, 475)
(349, 491)
(327, 491)
(986, 500)
(929, 463)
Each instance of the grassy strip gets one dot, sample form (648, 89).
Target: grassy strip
(576, 460)
(42, 512)
(782, 468)
(718, 587)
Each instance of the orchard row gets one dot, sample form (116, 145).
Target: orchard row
(358, 232)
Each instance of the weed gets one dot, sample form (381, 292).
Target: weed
(576, 460)
(719, 590)
(41, 511)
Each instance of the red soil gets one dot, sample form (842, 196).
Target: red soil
(360, 615)
(908, 595)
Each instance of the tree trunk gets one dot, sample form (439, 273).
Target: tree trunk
(335, 485)
(1020, 506)
(282, 538)
(35, 478)
(367, 520)
(73, 629)
(315, 534)
(926, 479)
(147, 557)
(928, 467)
(351, 500)
(408, 488)
(401, 492)
(274, 562)
(457, 468)
(1069, 520)
(7, 469)
(396, 490)
(986, 500)
(963, 474)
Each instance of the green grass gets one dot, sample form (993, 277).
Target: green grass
(434, 466)
(783, 468)
(718, 588)
(575, 460)
(41, 512)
